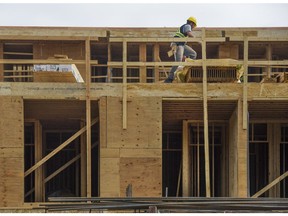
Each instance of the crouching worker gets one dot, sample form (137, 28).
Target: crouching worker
(181, 48)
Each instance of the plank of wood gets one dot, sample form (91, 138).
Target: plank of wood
(59, 148)
(124, 97)
(205, 112)
(44, 61)
(142, 58)
(103, 121)
(271, 184)
(83, 163)
(156, 50)
(88, 117)
(185, 160)
(245, 77)
(39, 173)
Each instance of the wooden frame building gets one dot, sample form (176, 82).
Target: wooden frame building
(211, 137)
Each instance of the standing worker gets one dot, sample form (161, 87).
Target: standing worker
(182, 49)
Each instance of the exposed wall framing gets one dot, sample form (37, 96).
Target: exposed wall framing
(122, 128)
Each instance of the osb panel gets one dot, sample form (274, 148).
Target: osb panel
(143, 123)
(109, 153)
(110, 178)
(11, 122)
(11, 182)
(143, 153)
(11, 152)
(145, 175)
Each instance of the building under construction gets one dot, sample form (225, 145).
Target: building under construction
(85, 113)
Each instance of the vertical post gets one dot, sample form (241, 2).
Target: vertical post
(124, 100)
(185, 161)
(268, 57)
(1, 65)
(83, 163)
(245, 77)
(39, 177)
(109, 59)
(88, 114)
(142, 58)
(155, 58)
(205, 111)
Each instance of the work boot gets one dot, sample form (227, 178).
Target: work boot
(168, 80)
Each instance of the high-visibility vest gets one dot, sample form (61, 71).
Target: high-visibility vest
(180, 32)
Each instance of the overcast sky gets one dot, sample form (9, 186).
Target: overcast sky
(143, 15)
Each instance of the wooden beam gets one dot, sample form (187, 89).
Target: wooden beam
(83, 163)
(142, 58)
(39, 174)
(267, 187)
(59, 170)
(198, 62)
(50, 38)
(269, 58)
(58, 149)
(156, 50)
(205, 112)
(88, 116)
(245, 77)
(163, 39)
(185, 161)
(1, 65)
(109, 59)
(44, 61)
(124, 101)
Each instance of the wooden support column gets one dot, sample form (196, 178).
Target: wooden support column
(142, 58)
(39, 183)
(205, 111)
(124, 99)
(109, 60)
(83, 163)
(245, 77)
(268, 57)
(242, 155)
(88, 114)
(1, 65)
(185, 155)
(155, 59)
(274, 140)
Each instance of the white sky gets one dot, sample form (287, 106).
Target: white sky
(143, 15)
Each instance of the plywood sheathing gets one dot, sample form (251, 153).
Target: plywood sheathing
(265, 91)
(131, 155)
(11, 152)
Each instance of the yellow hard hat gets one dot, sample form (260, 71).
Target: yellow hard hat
(193, 19)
